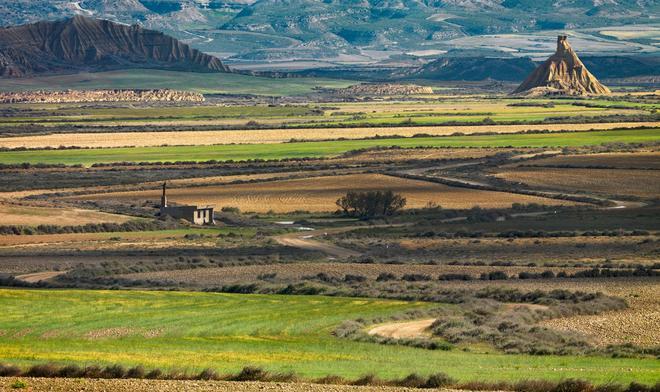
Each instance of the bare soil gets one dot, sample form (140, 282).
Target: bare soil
(133, 385)
(404, 330)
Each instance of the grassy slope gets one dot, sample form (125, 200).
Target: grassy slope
(319, 149)
(228, 331)
(207, 83)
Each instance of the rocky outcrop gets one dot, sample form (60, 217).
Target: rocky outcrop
(86, 44)
(382, 90)
(562, 74)
(100, 96)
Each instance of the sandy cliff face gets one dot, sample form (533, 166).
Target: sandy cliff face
(562, 74)
(82, 43)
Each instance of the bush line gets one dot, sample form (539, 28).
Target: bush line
(251, 373)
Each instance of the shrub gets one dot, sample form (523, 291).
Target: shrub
(385, 276)
(354, 278)
(411, 381)
(135, 372)
(45, 370)
(7, 370)
(455, 277)
(439, 380)
(154, 374)
(416, 278)
(250, 373)
(283, 377)
(70, 371)
(534, 386)
(636, 387)
(19, 384)
(371, 204)
(208, 374)
(495, 275)
(610, 387)
(368, 379)
(573, 385)
(114, 371)
(92, 371)
(331, 379)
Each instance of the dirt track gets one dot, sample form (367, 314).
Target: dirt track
(39, 276)
(304, 240)
(404, 330)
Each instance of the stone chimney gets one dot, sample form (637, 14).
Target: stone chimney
(163, 198)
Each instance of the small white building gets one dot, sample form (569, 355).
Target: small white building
(193, 214)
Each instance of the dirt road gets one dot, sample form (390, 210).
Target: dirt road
(404, 330)
(39, 276)
(304, 240)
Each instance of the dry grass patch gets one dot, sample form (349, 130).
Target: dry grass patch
(641, 183)
(196, 138)
(318, 194)
(13, 214)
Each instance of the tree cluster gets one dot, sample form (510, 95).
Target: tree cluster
(371, 204)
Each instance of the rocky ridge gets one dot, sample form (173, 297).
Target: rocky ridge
(87, 44)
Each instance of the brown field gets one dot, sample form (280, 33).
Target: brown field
(173, 183)
(13, 214)
(318, 194)
(641, 183)
(294, 272)
(132, 385)
(623, 160)
(143, 139)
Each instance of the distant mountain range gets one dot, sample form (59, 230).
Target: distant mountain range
(372, 31)
(87, 44)
(83, 44)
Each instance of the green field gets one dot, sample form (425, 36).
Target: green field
(319, 149)
(206, 83)
(339, 114)
(228, 331)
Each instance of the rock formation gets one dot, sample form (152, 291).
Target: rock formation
(86, 44)
(382, 89)
(159, 95)
(562, 74)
